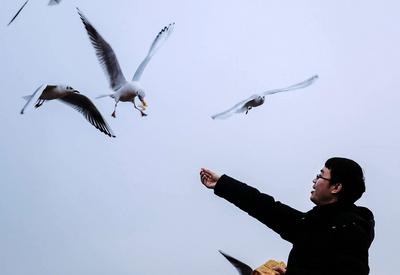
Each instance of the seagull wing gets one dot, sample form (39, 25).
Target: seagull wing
(54, 2)
(33, 97)
(238, 108)
(105, 55)
(300, 85)
(161, 37)
(86, 107)
(26, 2)
(243, 268)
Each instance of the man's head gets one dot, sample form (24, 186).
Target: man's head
(340, 180)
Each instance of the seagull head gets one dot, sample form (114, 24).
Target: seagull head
(70, 89)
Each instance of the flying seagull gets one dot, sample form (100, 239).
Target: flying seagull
(256, 100)
(125, 91)
(73, 98)
(51, 3)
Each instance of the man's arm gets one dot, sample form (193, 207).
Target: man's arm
(277, 216)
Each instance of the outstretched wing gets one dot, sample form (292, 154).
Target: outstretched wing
(300, 85)
(161, 37)
(237, 108)
(29, 98)
(86, 107)
(105, 55)
(243, 268)
(15, 16)
(54, 2)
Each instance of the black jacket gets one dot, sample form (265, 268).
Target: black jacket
(327, 240)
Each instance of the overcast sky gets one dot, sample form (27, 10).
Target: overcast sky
(74, 201)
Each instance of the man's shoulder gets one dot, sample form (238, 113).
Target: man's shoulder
(357, 219)
(356, 213)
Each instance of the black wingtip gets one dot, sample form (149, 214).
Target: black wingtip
(15, 16)
(81, 15)
(222, 252)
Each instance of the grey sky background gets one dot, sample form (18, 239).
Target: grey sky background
(74, 201)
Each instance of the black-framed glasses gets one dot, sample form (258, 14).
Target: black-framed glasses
(319, 176)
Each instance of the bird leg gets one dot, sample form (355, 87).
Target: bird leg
(248, 109)
(140, 110)
(115, 107)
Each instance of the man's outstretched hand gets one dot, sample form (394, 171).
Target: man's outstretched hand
(208, 178)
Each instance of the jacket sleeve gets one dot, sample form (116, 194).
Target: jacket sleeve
(277, 216)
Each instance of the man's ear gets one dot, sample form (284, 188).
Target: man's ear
(336, 188)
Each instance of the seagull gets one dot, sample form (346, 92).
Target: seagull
(270, 267)
(256, 100)
(125, 91)
(73, 98)
(51, 3)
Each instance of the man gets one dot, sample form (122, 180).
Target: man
(331, 238)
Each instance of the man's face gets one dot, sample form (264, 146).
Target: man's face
(323, 192)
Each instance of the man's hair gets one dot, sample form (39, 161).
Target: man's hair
(350, 175)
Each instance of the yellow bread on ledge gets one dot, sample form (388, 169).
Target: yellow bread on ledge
(267, 268)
